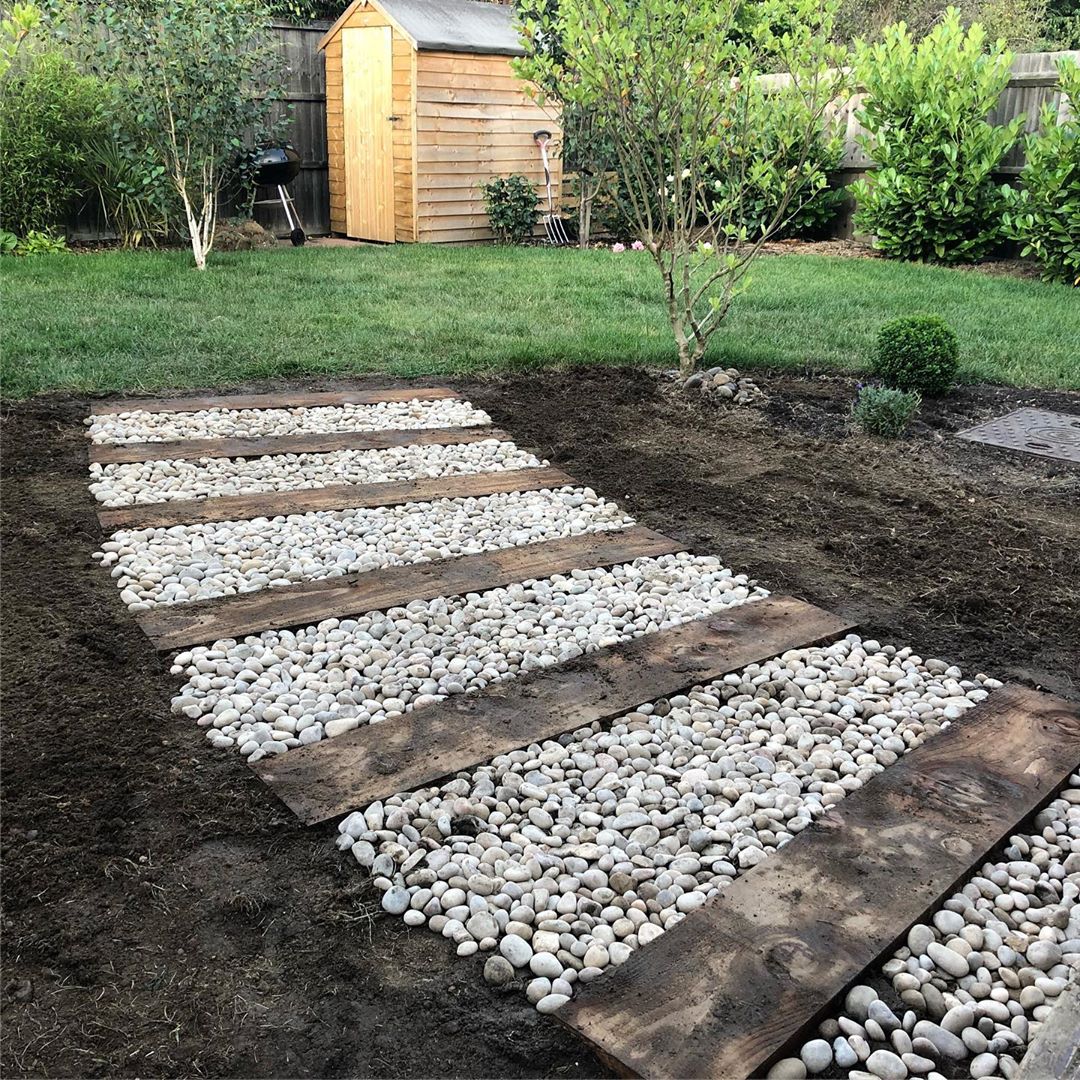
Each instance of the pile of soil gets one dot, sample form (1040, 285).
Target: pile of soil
(163, 915)
(243, 236)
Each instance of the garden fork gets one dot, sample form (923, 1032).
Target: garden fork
(553, 225)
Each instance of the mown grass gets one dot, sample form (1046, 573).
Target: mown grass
(145, 320)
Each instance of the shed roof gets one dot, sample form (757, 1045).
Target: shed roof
(469, 26)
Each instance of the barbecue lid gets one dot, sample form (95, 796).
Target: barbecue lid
(275, 165)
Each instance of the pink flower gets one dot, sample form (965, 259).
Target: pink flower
(637, 245)
(618, 248)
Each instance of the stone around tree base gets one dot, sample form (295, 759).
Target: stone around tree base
(724, 384)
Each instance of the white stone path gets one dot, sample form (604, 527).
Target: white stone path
(556, 861)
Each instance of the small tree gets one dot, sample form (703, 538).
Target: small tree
(203, 78)
(676, 87)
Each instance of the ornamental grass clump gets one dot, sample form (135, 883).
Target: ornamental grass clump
(881, 410)
(919, 353)
(48, 111)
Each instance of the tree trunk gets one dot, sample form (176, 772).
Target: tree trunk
(588, 194)
(687, 357)
(195, 233)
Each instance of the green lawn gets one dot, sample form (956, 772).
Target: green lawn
(147, 321)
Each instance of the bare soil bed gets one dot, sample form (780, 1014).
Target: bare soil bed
(164, 916)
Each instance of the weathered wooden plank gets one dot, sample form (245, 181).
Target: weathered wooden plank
(337, 775)
(722, 992)
(332, 497)
(469, 65)
(179, 625)
(473, 96)
(1055, 1051)
(532, 113)
(441, 222)
(483, 157)
(193, 449)
(464, 173)
(284, 400)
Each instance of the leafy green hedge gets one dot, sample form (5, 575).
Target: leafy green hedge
(1044, 213)
(933, 195)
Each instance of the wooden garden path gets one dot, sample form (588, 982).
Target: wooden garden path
(723, 992)
(174, 626)
(330, 778)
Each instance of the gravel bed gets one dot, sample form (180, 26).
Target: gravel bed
(182, 563)
(560, 859)
(281, 688)
(140, 426)
(167, 480)
(971, 988)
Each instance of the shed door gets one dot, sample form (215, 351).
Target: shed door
(366, 61)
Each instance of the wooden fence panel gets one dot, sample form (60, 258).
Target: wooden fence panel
(306, 94)
(1033, 84)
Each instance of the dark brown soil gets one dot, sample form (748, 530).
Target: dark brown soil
(164, 916)
(966, 551)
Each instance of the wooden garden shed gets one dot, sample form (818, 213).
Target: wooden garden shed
(421, 107)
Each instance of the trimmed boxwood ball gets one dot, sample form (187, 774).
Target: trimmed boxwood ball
(919, 353)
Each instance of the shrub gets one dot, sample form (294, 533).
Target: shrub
(511, 203)
(1061, 25)
(782, 156)
(20, 21)
(918, 353)
(33, 243)
(305, 11)
(48, 111)
(1044, 214)
(932, 195)
(40, 243)
(881, 410)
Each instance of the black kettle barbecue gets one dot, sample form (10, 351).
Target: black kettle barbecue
(277, 167)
